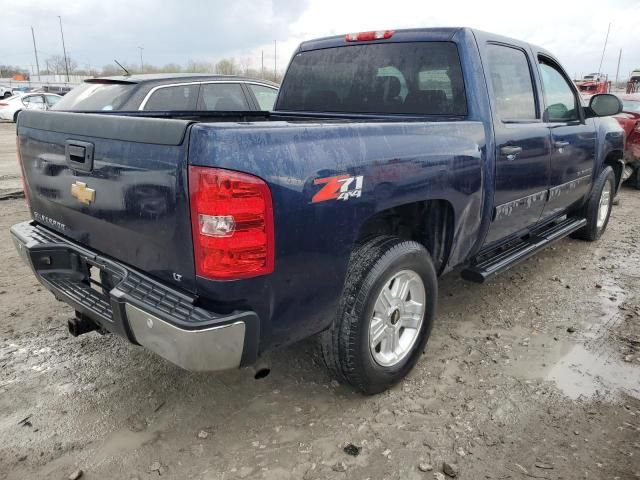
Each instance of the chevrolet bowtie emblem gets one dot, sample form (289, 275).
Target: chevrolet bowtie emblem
(83, 193)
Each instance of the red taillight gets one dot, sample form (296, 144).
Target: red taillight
(366, 36)
(23, 176)
(232, 224)
(3, 104)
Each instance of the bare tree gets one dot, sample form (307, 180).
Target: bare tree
(56, 64)
(199, 67)
(227, 66)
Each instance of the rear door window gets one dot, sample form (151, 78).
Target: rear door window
(266, 96)
(222, 97)
(173, 98)
(511, 82)
(422, 78)
(52, 99)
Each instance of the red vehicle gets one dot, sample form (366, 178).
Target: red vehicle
(592, 84)
(629, 120)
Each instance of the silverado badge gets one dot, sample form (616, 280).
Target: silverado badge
(83, 193)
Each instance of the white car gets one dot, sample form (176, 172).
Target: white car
(10, 107)
(5, 91)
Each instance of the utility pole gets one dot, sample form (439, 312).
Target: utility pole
(141, 63)
(275, 60)
(604, 48)
(618, 69)
(262, 69)
(64, 49)
(35, 51)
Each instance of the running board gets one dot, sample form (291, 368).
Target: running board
(500, 260)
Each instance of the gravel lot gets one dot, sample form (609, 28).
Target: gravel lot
(534, 375)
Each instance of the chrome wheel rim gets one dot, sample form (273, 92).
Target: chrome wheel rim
(397, 318)
(604, 205)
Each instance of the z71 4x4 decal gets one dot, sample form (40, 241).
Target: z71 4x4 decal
(340, 187)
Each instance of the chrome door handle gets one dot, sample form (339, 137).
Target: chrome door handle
(510, 151)
(561, 144)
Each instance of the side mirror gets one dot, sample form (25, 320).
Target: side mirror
(604, 105)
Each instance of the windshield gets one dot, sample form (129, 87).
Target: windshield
(631, 106)
(422, 78)
(96, 96)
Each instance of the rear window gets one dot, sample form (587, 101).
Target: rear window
(96, 96)
(414, 78)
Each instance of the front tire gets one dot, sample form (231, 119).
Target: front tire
(597, 209)
(385, 316)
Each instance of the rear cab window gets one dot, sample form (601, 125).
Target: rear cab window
(95, 96)
(423, 78)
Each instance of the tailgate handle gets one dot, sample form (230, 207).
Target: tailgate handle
(79, 155)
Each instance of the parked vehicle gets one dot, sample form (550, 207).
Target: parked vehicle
(390, 159)
(5, 92)
(593, 83)
(172, 92)
(10, 107)
(629, 119)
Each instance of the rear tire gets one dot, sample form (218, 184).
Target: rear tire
(385, 315)
(597, 209)
(15, 116)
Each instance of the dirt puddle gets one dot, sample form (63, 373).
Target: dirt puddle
(586, 374)
(589, 368)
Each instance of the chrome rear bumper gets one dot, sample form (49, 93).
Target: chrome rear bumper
(137, 307)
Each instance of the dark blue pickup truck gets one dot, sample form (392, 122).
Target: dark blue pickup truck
(391, 158)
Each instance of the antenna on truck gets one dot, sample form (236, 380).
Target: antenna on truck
(126, 72)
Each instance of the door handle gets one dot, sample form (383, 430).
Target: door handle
(561, 144)
(79, 155)
(510, 151)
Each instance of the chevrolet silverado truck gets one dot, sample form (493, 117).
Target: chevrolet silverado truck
(390, 159)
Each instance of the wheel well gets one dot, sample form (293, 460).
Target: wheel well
(429, 223)
(614, 160)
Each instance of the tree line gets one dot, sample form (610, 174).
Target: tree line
(55, 65)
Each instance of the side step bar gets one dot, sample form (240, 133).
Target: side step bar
(492, 263)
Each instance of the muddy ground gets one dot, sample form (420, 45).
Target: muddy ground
(534, 375)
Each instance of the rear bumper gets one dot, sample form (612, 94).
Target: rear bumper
(146, 312)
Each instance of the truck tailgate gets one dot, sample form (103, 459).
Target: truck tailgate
(114, 184)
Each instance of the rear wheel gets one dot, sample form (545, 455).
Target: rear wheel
(385, 316)
(15, 116)
(597, 209)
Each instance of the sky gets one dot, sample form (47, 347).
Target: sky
(174, 31)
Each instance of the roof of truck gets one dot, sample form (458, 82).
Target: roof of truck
(438, 34)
